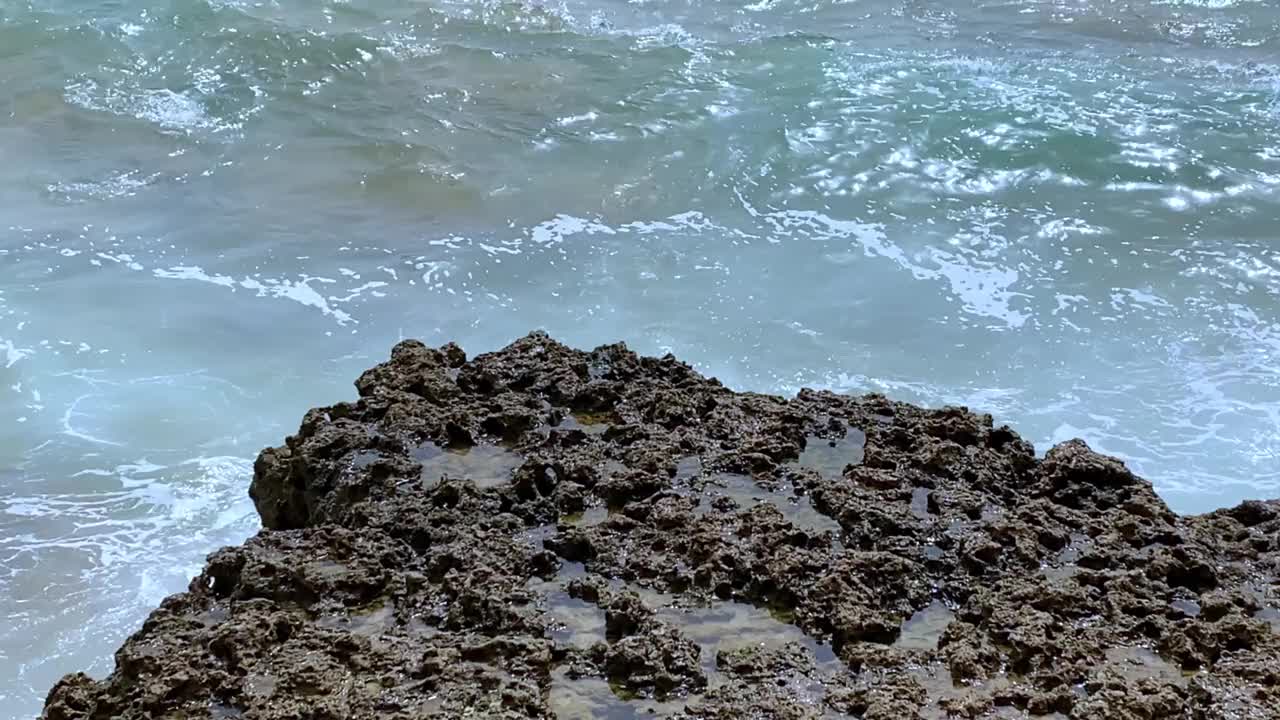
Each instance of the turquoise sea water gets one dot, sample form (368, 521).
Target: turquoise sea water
(214, 214)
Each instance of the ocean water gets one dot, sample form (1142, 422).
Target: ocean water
(215, 213)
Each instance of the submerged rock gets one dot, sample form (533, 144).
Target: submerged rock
(543, 532)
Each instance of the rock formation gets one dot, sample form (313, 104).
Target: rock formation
(543, 532)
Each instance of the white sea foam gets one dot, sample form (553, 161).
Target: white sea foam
(1076, 241)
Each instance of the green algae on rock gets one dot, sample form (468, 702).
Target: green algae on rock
(452, 545)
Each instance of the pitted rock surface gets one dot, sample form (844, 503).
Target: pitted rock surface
(385, 587)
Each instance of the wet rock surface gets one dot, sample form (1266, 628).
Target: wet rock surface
(544, 532)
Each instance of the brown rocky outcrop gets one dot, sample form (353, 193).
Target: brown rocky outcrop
(544, 532)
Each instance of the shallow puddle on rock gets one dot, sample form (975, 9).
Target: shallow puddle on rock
(920, 503)
(720, 625)
(688, 467)
(576, 623)
(1008, 712)
(591, 423)
(587, 518)
(365, 622)
(1190, 608)
(1063, 566)
(420, 629)
(324, 568)
(571, 621)
(731, 625)
(364, 459)
(485, 465)
(213, 616)
(259, 686)
(940, 688)
(591, 698)
(612, 468)
(1075, 548)
(537, 536)
(1136, 663)
(219, 711)
(829, 457)
(1263, 590)
(1059, 574)
(1271, 615)
(797, 509)
(924, 628)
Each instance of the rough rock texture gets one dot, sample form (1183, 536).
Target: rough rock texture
(544, 532)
